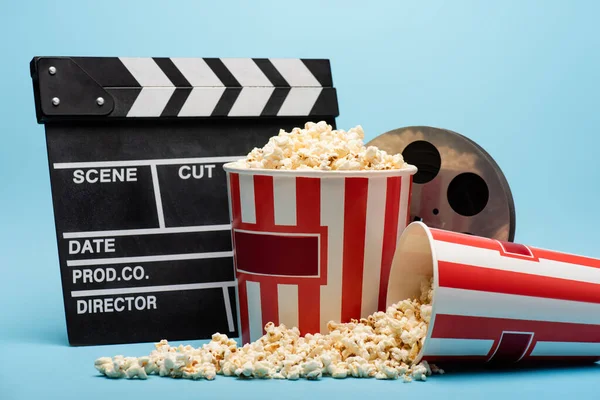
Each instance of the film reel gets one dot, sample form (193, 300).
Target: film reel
(459, 187)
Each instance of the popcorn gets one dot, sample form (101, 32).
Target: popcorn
(419, 372)
(339, 372)
(319, 147)
(383, 345)
(386, 371)
(436, 370)
(102, 363)
(136, 371)
(293, 374)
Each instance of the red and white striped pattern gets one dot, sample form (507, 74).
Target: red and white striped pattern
(505, 302)
(309, 250)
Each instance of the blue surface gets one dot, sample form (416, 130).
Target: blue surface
(520, 78)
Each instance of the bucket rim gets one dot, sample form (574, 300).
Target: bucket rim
(406, 171)
(428, 236)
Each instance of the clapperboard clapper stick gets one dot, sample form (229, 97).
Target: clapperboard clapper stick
(136, 148)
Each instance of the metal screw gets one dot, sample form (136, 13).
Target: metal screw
(100, 101)
(52, 70)
(55, 101)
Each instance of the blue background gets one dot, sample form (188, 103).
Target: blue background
(521, 78)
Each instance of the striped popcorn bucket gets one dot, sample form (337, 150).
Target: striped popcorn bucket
(314, 246)
(497, 302)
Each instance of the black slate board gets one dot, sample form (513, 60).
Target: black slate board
(141, 216)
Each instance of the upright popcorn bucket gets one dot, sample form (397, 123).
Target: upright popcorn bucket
(498, 302)
(314, 246)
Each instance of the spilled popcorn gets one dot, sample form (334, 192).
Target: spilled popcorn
(319, 147)
(384, 345)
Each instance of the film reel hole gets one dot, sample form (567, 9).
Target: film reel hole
(468, 194)
(436, 211)
(425, 157)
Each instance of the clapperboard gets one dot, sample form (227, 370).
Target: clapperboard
(136, 148)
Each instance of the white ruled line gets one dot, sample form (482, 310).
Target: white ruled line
(151, 289)
(157, 197)
(140, 163)
(149, 231)
(167, 257)
(228, 309)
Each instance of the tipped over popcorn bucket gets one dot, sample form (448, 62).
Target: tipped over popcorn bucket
(313, 246)
(497, 302)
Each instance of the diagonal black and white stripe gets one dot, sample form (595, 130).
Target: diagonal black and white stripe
(215, 87)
